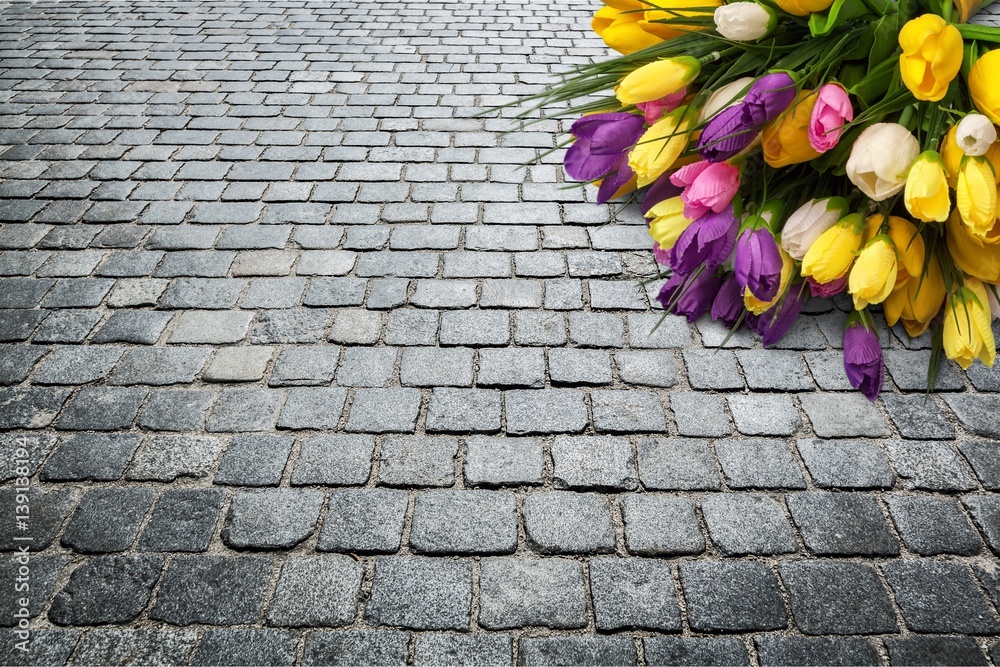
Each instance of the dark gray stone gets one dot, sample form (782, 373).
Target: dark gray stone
(106, 589)
(764, 414)
(148, 647)
(271, 518)
(107, 519)
(758, 464)
(594, 462)
(844, 416)
(140, 327)
(77, 365)
(583, 651)
(660, 525)
(176, 410)
(418, 461)
(985, 512)
(384, 411)
(312, 365)
(676, 464)
(30, 407)
(491, 461)
(239, 410)
(634, 593)
(480, 522)
(91, 456)
(700, 415)
(747, 524)
(335, 460)
(934, 466)
(16, 362)
(695, 651)
(183, 520)
(40, 574)
(316, 591)
(165, 458)
(254, 460)
(237, 585)
(932, 526)
(985, 460)
(47, 647)
(772, 650)
(940, 597)
(832, 598)
(517, 593)
(356, 647)
(943, 651)
(102, 409)
(313, 407)
(463, 411)
(846, 464)
(363, 521)
(545, 411)
(841, 524)
(631, 411)
(47, 513)
(558, 522)
(246, 646)
(732, 597)
(421, 593)
(475, 649)
(917, 417)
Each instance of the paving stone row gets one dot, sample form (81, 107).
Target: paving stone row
(302, 366)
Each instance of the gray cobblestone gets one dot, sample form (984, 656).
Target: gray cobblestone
(517, 593)
(657, 525)
(421, 593)
(558, 522)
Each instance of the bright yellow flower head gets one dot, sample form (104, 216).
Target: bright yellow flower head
(786, 139)
(952, 155)
(668, 222)
(910, 249)
(932, 55)
(619, 25)
(976, 195)
(926, 192)
(967, 332)
(657, 149)
(758, 307)
(874, 272)
(804, 7)
(977, 257)
(983, 77)
(671, 10)
(920, 300)
(657, 79)
(832, 254)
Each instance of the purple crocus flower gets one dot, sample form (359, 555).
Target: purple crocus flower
(728, 304)
(691, 298)
(726, 134)
(735, 128)
(863, 359)
(706, 242)
(601, 141)
(773, 324)
(620, 174)
(757, 265)
(769, 96)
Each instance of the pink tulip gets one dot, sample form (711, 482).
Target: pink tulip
(653, 111)
(708, 186)
(833, 110)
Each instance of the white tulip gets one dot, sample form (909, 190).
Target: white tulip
(808, 222)
(880, 159)
(991, 292)
(744, 21)
(976, 134)
(727, 95)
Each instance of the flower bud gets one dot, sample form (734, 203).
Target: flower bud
(932, 55)
(744, 21)
(967, 332)
(832, 111)
(880, 159)
(657, 80)
(727, 95)
(810, 220)
(976, 134)
(926, 194)
(863, 358)
(976, 195)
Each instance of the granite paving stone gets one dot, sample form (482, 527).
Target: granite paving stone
(559, 522)
(747, 523)
(932, 465)
(433, 648)
(271, 518)
(107, 589)
(363, 521)
(932, 526)
(761, 464)
(107, 519)
(940, 597)
(518, 593)
(934, 650)
(353, 647)
(237, 646)
(464, 522)
(421, 593)
(841, 524)
(835, 598)
(491, 461)
(661, 525)
(634, 593)
(695, 651)
(676, 464)
(114, 646)
(732, 597)
(182, 520)
(91, 456)
(238, 585)
(316, 591)
(775, 650)
(585, 651)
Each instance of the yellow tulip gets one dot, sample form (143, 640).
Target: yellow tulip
(952, 155)
(671, 10)
(967, 9)
(832, 254)
(804, 7)
(926, 192)
(668, 222)
(993, 155)
(967, 332)
(983, 77)
(874, 272)
(758, 307)
(786, 139)
(920, 300)
(657, 149)
(910, 249)
(657, 79)
(619, 24)
(932, 55)
(977, 257)
(976, 195)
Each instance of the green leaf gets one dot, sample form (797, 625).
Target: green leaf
(979, 32)
(841, 11)
(872, 88)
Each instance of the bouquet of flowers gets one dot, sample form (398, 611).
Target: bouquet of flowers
(788, 149)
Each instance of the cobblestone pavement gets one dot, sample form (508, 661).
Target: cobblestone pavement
(307, 370)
